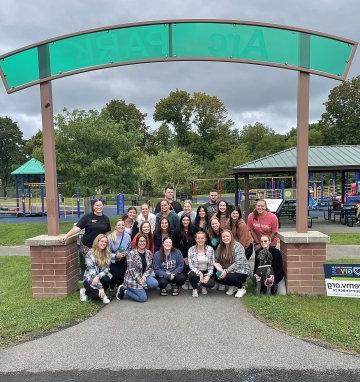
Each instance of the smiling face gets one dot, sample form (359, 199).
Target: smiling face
(213, 196)
(164, 224)
(226, 237)
(102, 244)
(120, 226)
(265, 242)
(222, 207)
(202, 212)
(145, 210)
(215, 225)
(200, 238)
(98, 207)
(132, 213)
(169, 194)
(145, 228)
(167, 244)
(260, 207)
(187, 208)
(165, 206)
(235, 215)
(141, 243)
(185, 221)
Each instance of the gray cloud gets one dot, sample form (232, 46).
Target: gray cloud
(250, 93)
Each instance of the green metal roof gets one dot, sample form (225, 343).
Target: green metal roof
(31, 167)
(321, 159)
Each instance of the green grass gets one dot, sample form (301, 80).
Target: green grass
(344, 238)
(21, 316)
(332, 321)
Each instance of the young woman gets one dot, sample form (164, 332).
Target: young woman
(97, 272)
(214, 232)
(161, 231)
(276, 278)
(232, 267)
(146, 216)
(201, 264)
(119, 245)
(93, 223)
(183, 240)
(168, 267)
(263, 222)
(223, 214)
(187, 210)
(201, 219)
(241, 231)
(139, 273)
(131, 225)
(145, 230)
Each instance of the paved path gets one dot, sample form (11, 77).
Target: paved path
(172, 333)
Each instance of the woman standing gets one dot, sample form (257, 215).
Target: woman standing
(241, 231)
(139, 273)
(161, 232)
(263, 222)
(201, 264)
(145, 230)
(201, 219)
(131, 225)
(223, 214)
(119, 245)
(231, 266)
(97, 273)
(168, 267)
(187, 210)
(183, 240)
(275, 277)
(146, 216)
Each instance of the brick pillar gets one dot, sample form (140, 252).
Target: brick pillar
(54, 266)
(304, 255)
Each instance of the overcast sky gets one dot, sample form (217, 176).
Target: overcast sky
(251, 93)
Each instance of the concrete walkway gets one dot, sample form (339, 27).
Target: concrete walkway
(173, 333)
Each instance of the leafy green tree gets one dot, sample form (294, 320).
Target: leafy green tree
(34, 147)
(340, 123)
(11, 150)
(160, 139)
(315, 136)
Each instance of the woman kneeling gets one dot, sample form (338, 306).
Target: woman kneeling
(232, 267)
(138, 276)
(97, 273)
(201, 263)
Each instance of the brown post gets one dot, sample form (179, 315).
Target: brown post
(49, 158)
(247, 197)
(302, 152)
(236, 189)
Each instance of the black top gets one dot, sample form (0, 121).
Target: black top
(143, 261)
(174, 205)
(93, 225)
(183, 242)
(211, 208)
(277, 264)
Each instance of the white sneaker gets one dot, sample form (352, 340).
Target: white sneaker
(240, 293)
(221, 287)
(195, 293)
(203, 290)
(106, 300)
(83, 296)
(231, 290)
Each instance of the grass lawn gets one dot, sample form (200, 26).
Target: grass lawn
(21, 316)
(344, 238)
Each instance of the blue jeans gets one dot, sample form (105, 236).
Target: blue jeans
(140, 295)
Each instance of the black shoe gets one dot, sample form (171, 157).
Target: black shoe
(175, 290)
(163, 292)
(120, 292)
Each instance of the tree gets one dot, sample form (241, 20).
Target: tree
(340, 123)
(34, 147)
(11, 149)
(315, 136)
(95, 152)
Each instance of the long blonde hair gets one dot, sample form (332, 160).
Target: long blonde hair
(102, 256)
(224, 253)
(113, 234)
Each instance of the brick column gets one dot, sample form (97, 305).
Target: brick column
(54, 266)
(304, 255)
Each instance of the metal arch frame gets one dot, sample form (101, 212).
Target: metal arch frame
(302, 110)
(171, 58)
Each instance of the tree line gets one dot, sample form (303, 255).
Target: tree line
(112, 149)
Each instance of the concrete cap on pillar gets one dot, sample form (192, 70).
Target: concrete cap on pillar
(45, 240)
(308, 237)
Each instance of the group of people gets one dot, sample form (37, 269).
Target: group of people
(176, 247)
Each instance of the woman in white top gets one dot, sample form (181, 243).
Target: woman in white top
(201, 264)
(146, 215)
(187, 211)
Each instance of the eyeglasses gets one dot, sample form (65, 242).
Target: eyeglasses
(264, 241)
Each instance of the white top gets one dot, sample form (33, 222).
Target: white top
(203, 261)
(192, 216)
(151, 219)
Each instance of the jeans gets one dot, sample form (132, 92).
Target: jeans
(139, 294)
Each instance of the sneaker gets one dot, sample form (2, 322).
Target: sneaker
(203, 290)
(231, 290)
(120, 292)
(175, 290)
(83, 296)
(106, 300)
(195, 293)
(240, 293)
(163, 292)
(221, 287)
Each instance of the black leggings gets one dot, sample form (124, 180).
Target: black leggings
(179, 280)
(194, 280)
(118, 270)
(232, 279)
(93, 293)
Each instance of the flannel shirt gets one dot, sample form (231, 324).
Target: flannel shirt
(193, 260)
(93, 269)
(134, 269)
(240, 264)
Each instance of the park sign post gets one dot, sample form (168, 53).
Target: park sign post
(232, 41)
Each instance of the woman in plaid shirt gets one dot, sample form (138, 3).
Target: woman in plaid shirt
(139, 273)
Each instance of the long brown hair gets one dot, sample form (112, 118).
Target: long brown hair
(102, 256)
(256, 214)
(224, 253)
(211, 232)
(148, 236)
